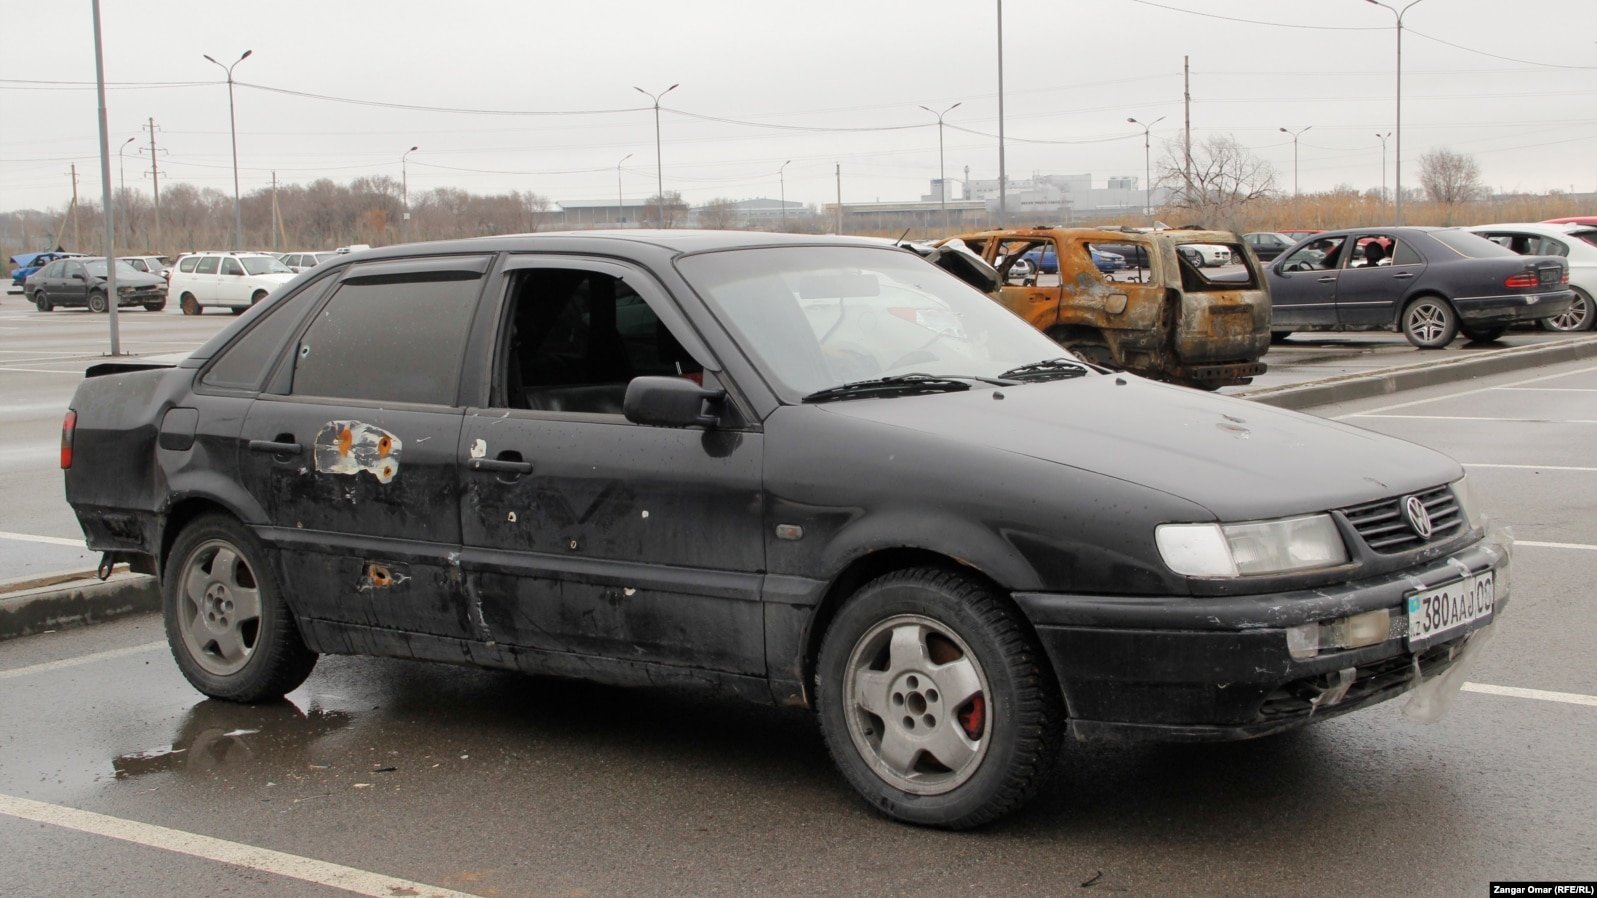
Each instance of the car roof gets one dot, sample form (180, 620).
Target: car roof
(668, 242)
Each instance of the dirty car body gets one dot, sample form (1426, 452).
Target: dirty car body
(1168, 320)
(815, 472)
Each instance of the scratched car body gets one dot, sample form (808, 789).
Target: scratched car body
(1170, 320)
(816, 472)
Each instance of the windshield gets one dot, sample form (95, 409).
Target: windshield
(1470, 245)
(264, 265)
(818, 317)
(96, 268)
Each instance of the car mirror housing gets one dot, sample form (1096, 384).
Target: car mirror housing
(671, 402)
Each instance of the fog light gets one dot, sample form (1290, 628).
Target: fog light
(1303, 640)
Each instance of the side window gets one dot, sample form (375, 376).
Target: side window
(231, 266)
(208, 265)
(1551, 247)
(74, 270)
(1021, 261)
(1316, 255)
(1403, 254)
(578, 337)
(186, 265)
(53, 270)
(388, 339)
(1373, 250)
(245, 364)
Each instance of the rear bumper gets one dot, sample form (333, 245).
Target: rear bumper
(1218, 669)
(1220, 374)
(1511, 308)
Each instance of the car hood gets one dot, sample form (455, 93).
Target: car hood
(1239, 459)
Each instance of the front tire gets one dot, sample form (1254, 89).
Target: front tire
(936, 702)
(1430, 322)
(155, 306)
(1580, 316)
(97, 303)
(229, 629)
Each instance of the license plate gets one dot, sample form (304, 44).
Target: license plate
(1437, 615)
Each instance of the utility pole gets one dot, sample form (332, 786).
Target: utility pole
(1003, 187)
(277, 223)
(112, 295)
(155, 179)
(839, 199)
(1186, 101)
(75, 207)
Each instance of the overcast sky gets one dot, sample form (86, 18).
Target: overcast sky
(539, 96)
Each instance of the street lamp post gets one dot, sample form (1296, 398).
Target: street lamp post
(1397, 202)
(621, 207)
(659, 170)
(1297, 223)
(122, 188)
(1147, 165)
(1383, 138)
(781, 175)
(404, 189)
(942, 178)
(232, 122)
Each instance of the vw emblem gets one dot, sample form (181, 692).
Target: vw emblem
(1418, 518)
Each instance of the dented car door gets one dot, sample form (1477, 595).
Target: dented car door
(588, 536)
(352, 452)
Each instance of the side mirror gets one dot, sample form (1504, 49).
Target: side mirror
(671, 402)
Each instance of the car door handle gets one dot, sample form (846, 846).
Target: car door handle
(1402, 276)
(501, 465)
(276, 448)
(1328, 279)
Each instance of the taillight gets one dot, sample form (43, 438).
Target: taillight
(69, 426)
(1522, 280)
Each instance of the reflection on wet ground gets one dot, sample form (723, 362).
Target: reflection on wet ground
(219, 735)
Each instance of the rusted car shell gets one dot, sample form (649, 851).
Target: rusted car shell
(1168, 321)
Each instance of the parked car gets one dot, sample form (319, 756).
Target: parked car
(1044, 260)
(1208, 255)
(157, 265)
(1268, 244)
(1108, 262)
(1169, 321)
(1299, 234)
(28, 263)
(84, 282)
(235, 281)
(298, 262)
(1577, 244)
(1428, 283)
(805, 471)
(1577, 219)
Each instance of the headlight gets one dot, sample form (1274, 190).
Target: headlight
(1257, 547)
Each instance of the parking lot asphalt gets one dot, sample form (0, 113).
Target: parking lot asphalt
(50, 582)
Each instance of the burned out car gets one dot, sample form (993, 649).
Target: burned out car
(1163, 316)
(816, 472)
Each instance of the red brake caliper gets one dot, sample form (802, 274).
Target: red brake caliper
(974, 717)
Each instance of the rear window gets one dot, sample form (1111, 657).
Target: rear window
(1469, 245)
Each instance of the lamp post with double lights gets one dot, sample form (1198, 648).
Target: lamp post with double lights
(1147, 164)
(781, 176)
(1397, 190)
(942, 178)
(1296, 223)
(621, 209)
(232, 123)
(404, 189)
(659, 170)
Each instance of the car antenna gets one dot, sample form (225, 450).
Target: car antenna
(903, 235)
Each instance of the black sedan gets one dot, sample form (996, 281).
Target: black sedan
(1429, 283)
(83, 282)
(1268, 244)
(815, 472)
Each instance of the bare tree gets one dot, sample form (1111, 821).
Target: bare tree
(664, 215)
(719, 214)
(1224, 179)
(1450, 178)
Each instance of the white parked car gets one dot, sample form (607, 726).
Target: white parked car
(1206, 255)
(157, 265)
(1577, 243)
(298, 262)
(234, 280)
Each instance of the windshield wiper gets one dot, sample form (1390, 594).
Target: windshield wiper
(1048, 369)
(903, 385)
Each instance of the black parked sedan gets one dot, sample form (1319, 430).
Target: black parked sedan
(1429, 283)
(814, 472)
(83, 282)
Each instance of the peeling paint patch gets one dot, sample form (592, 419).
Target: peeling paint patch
(479, 448)
(349, 447)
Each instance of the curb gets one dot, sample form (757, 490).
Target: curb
(73, 600)
(1425, 374)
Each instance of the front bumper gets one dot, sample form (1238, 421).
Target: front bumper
(1512, 308)
(1218, 669)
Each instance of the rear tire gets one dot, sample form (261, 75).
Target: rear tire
(1429, 322)
(41, 301)
(189, 304)
(936, 701)
(1579, 318)
(1483, 334)
(230, 631)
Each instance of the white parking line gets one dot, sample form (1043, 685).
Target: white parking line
(45, 371)
(1531, 467)
(47, 540)
(48, 666)
(1475, 418)
(1413, 402)
(1526, 542)
(1568, 698)
(250, 857)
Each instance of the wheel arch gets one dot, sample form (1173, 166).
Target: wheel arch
(195, 505)
(1402, 306)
